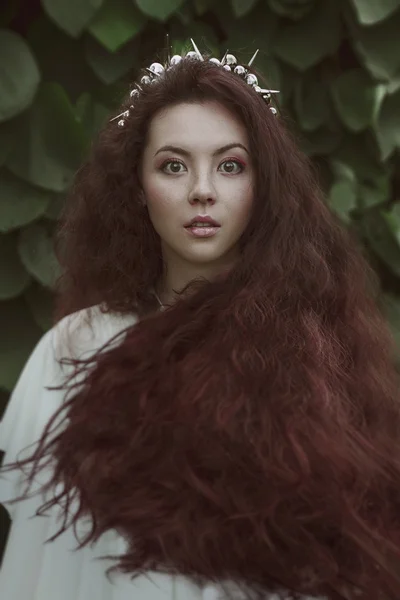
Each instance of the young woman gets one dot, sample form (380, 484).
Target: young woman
(216, 410)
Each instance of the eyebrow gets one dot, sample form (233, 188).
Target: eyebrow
(179, 150)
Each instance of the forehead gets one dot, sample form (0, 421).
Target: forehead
(207, 124)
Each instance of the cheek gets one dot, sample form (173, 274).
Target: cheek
(161, 203)
(243, 206)
(155, 192)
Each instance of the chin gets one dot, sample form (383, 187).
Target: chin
(203, 257)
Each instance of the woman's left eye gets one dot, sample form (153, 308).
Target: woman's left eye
(233, 166)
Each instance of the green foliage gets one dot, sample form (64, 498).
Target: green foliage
(378, 47)
(37, 255)
(14, 278)
(73, 16)
(19, 75)
(357, 99)
(117, 22)
(19, 334)
(49, 141)
(304, 43)
(21, 203)
(64, 68)
(242, 7)
(292, 9)
(370, 12)
(159, 10)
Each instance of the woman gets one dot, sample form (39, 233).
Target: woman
(239, 436)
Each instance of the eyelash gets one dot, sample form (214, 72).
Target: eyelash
(234, 160)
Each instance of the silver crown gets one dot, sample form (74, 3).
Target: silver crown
(228, 62)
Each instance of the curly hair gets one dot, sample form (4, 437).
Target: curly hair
(251, 431)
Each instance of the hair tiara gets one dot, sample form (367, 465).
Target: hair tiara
(228, 62)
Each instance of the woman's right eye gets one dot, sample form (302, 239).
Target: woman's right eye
(174, 164)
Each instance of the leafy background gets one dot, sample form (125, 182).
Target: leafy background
(65, 64)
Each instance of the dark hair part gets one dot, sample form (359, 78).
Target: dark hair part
(250, 432)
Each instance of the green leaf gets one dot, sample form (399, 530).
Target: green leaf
(242, 7)
(322, 141)
(41, 304)
(343, 198)
(388, 125)
(9, 12)
(73, 16)
(381, 235)
(289, 79)
(50, 141)
(374, 193)
(91, 114)
(55, 207)
(157, 9)
(370, 12)
(356, 151)
(255, 30)
(37, 254)
(186, 15)
(291, 10)
(394, 85)
(357, 98)
(343, 171)
(20, 203)
(19, 335)
(311, 102)
(109, 67)
(379, 46)
(116, 23)
(14, 278)
(392, 218)
(19, 75)
(64, 64)
(6, 140)
(202, 6)
(305, 43)
(366, 193)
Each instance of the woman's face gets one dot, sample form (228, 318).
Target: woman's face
(197, 164)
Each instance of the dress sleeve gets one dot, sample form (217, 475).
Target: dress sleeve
(29, 408)
(31, 404)
(58, 570)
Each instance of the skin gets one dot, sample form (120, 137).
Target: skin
(179, 185)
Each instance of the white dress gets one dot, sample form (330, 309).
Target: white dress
(31, 569)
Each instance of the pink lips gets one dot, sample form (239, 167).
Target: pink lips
(202, 231)
(202, 219)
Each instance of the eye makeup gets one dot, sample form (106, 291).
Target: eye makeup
(226, 160)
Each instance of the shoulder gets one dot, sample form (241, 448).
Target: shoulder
(33, 401)
(76, 336)
(86, 331)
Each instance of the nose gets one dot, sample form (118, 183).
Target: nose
(202, 192)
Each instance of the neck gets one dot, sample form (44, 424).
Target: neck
(179, 272)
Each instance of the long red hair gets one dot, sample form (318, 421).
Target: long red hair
(251, 432)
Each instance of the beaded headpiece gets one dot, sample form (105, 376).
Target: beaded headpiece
(228, 62)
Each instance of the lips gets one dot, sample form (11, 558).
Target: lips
(208, 221)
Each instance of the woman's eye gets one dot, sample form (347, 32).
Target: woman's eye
(232, 166)
(174, 166)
